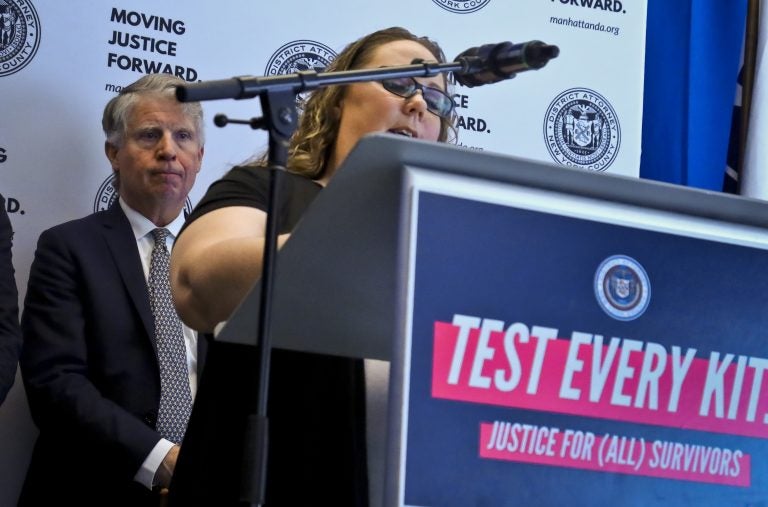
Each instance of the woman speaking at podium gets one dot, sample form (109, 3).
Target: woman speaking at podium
(317, 449)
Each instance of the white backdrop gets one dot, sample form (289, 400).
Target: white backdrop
(64, 60)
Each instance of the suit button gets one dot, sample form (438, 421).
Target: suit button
(150, 418)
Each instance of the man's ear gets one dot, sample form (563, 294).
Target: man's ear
(111, 151)
(200, 158)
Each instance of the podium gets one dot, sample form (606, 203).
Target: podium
(556, 337)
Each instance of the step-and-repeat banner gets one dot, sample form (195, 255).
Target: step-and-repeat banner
(60, 62)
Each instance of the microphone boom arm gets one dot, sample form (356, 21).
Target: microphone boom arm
(248, 87)
(477, 66)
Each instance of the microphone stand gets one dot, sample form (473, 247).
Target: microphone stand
(279, 108)
(278, 103)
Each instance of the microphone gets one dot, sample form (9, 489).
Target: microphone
(491, 63)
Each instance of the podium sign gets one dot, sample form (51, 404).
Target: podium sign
(570, 349)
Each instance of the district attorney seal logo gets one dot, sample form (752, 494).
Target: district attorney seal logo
(622, 287)
(581, 129)
(19, 35)
(299, 55)
(107, 195)
(462, 6)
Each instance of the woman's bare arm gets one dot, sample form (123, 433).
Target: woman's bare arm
(215, 262)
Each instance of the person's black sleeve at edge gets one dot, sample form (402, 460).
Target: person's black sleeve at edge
(10, 334)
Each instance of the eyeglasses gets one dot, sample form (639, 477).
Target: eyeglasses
(438, 102)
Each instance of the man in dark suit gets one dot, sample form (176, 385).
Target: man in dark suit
(96, 326)
(10, 335)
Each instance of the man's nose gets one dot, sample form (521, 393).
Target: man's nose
(166, 146)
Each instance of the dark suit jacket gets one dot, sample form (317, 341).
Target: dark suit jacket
(10, 335)
(89, 365)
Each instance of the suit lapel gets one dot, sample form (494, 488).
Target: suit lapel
(122, 245)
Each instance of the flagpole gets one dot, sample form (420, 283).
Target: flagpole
(748, 80)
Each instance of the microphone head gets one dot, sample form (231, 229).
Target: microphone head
(537, 54)
(492, 63)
